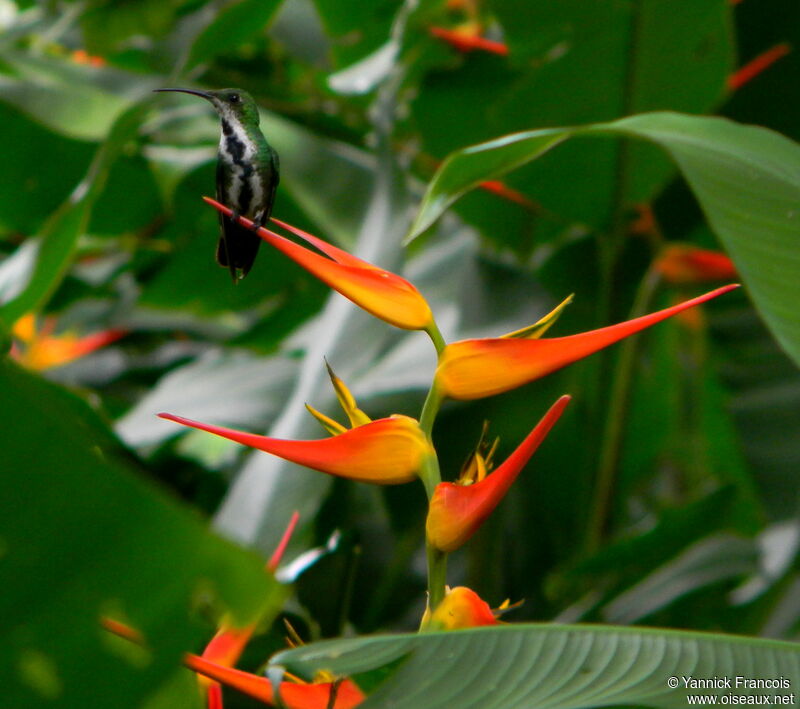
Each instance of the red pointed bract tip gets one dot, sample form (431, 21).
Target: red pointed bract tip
(456, 511)
(473, 369)
(387, 451)
(758, 65)
(294, 696)
(229, 642)
(381, 293)
(501, 189)
(277, 555)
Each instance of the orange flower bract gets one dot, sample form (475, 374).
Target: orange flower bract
(473, 369)
(381, 293)
(457, 511)
(683, 264)
(312, 695)
(461, 608)
(387, 451)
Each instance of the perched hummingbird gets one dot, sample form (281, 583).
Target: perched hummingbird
(248, 172)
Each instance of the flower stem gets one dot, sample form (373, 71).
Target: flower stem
(431, 477)
(436, 337)
(429, 410)
(429, 473)
(615, 420)
(437, 576)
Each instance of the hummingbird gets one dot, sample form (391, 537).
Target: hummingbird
(248, 172)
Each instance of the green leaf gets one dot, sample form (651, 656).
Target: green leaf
(747, 180)
(41, 182)
(51, 252)
(107, 26)
(71, 99)
(236, 23)
(572, 62)
(238, 389)
(557, 666)
(83, 537)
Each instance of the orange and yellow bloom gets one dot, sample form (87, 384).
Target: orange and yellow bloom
(323, 694)
(468, 39)
(458, 509)
(229, 642)
(683, 264)
(387, 451)
(462, 608)
(381, 293)
(343, 694)
(473, 369)
(39, 348)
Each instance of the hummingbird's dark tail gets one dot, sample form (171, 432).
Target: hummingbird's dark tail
(237, 248)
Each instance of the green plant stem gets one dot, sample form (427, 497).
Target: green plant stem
(431, 477)
(437, 576)
(429, 410)
(436, 337)
(429, 473)
(614, 429)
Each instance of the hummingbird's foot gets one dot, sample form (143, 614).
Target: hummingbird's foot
(258, 222)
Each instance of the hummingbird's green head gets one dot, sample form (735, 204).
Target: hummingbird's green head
(232, 105)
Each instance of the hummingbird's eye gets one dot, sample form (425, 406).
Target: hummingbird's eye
(233, 98)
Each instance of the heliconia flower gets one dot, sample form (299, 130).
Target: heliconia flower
(294, 695)
(683, 264)
(38, 348)
(387, 451)
(228, 643)
(381, 293)
(467, 39)
(462, 608)
(458, 509)
(342, 694)
(81, 56)
(473, 369)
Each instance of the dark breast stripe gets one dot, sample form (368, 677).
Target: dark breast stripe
(235, 148)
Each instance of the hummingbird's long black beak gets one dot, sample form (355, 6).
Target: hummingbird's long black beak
(194, 92)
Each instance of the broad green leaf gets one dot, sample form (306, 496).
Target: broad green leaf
(42, 166)
(233, 25)
(720, 557)
(84, 536)
(762, 392)
(554, 666)
(572, 62)
(77, 101)
(107, 26)
(356, 28)
(747, 180)
(54, 247)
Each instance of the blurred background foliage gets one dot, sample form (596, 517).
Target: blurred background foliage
(102, 229)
